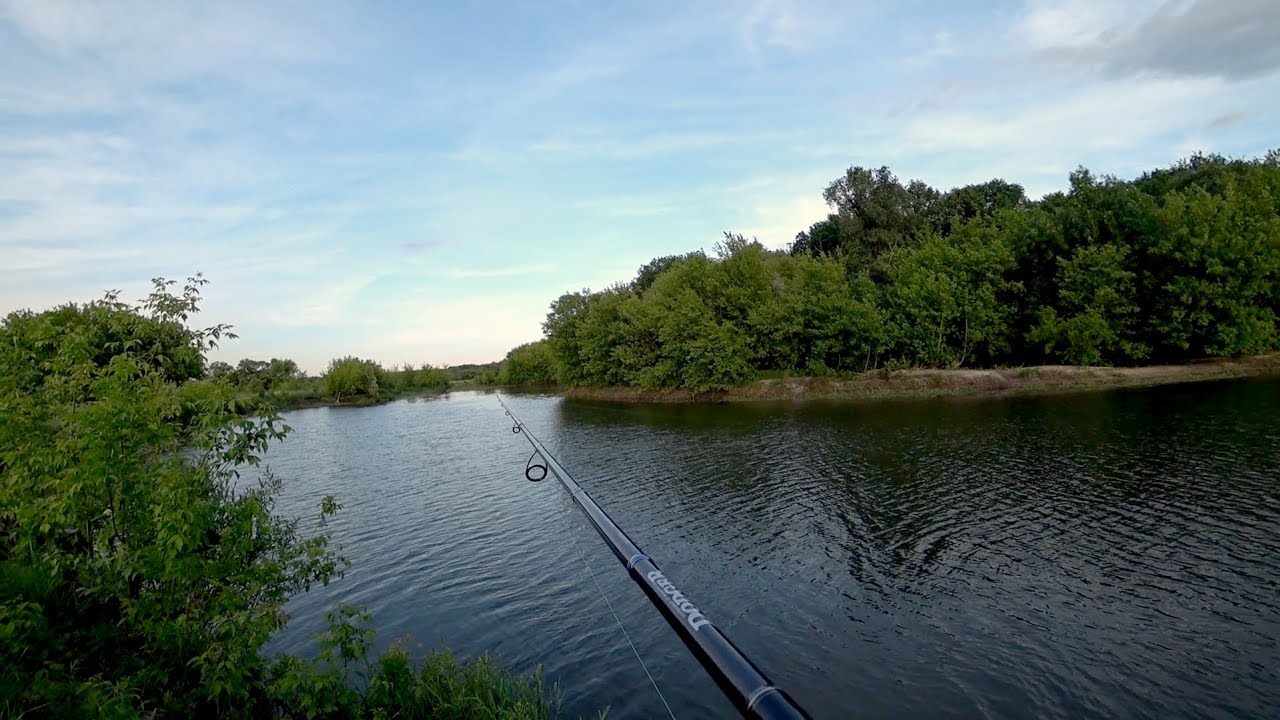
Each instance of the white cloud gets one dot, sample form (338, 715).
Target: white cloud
(494, 272)
(943, 45)
(794, 25)
(749, 185)
(166, 39)
(1173, 38)
(775, 222)
(1054, 24)
(20, 258)
(644, 145)
(1101, 117)
(324, 304)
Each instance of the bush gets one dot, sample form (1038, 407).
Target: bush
(529, 364)
(135, 573)
(138, 575)
(345, 681)
(351, 378)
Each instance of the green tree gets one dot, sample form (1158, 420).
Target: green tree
(602, 331)
(425, 378)
(1215, 262)
(652, 269)
(1181, 263)
(946, 303)
(974, 202)
(252, 374)
(562, 328)
(351, 378)
(529, 364)
(586, 332)
(1093, 322)
(102, 330)
(840, 326)
(218, 370)
(281, 372)
(873, 213)
(136, 575)
(140, 575)
(696, 350)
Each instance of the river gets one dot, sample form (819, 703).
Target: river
(1093, 555)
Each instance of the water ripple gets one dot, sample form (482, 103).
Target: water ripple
(1109, 555)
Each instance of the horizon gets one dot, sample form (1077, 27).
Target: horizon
(418, 184)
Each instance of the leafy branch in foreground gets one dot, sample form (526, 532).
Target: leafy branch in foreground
(140, 574)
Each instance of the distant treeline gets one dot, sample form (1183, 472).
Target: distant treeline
(349, 379)
(1176, 265)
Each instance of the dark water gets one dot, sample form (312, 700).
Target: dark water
(1100, 555)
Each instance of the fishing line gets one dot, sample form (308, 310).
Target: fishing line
(618, 620)
(744, 684)
(540, 469)
(536, 472)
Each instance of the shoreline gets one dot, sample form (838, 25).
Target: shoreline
(286, 404)
(920, 383)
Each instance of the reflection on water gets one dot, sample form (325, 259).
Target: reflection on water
(1091, 555)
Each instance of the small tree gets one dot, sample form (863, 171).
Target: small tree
(351, 377)
(529, 364)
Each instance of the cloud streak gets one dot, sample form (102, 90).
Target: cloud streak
(1228, 39)
(351, 189)
(494, 272)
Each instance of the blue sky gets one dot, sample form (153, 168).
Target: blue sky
(416, 181)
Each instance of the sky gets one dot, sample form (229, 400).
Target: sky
(416, 181)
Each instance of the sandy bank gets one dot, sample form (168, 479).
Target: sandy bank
(1037, 380)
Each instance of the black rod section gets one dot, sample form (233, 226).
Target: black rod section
(746, 686)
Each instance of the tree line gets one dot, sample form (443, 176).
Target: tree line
(282, 384)
(141, 576)
(1178, 264)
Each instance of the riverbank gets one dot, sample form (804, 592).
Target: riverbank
(919, 383)
(284, 402)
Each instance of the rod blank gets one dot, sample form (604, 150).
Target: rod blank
(746, 686)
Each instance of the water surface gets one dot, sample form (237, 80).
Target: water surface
(1095, 555)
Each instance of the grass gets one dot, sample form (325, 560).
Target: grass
(444, 689)
(346, 681)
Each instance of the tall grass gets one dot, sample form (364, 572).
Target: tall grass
(346, 681)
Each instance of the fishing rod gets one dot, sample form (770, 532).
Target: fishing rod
(746, 686)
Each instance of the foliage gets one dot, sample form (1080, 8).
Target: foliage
(472, 371)
(652, 269)
(1096, 299)
(350, 378)
(137, 575)
(945, 297)
(345, 681)
(140, 576)
(1217, 258)
(696, 347)
(1179, 264)
(529, 364)
(86, 338)
(280, 383)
